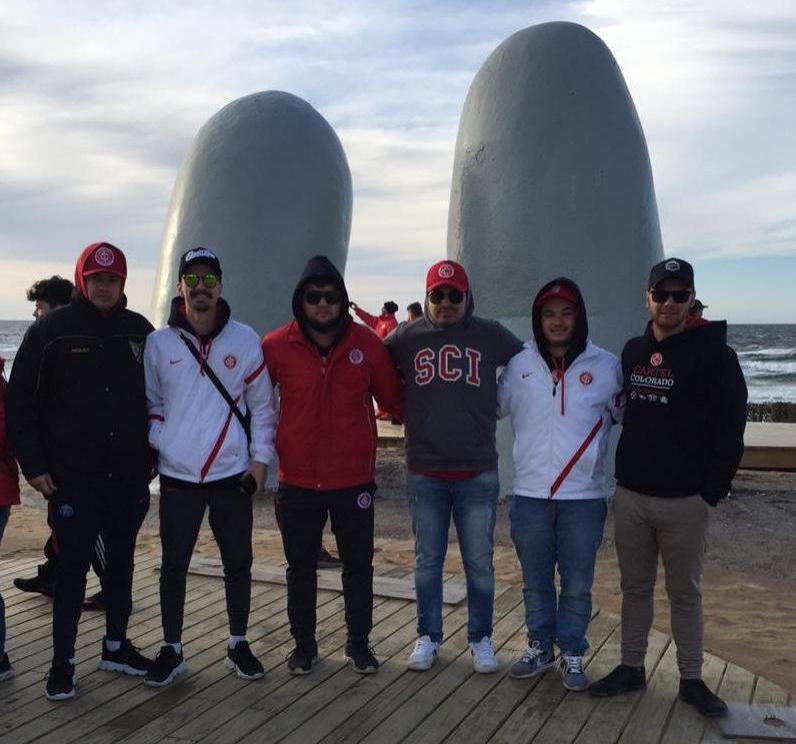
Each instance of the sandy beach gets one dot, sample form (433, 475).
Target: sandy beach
(750, 573)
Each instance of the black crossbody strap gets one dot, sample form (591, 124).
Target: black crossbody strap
(208, 370)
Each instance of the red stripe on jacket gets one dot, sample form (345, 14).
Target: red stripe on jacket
(562, 476)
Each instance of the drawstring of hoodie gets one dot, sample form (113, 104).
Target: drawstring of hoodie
(559, 376)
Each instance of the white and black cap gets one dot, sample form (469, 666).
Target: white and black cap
(200, 255)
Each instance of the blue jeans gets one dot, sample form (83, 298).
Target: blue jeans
(4, 512)
(547, 532)
(472, 503)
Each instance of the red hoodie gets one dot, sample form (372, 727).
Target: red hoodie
(9, 475)
(384, 324)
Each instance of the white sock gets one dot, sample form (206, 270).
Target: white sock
(112, 645)
(176, 646)
(234, 640)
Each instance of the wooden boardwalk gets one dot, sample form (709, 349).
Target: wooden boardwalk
(448, 703)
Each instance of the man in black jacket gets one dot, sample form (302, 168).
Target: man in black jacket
(77, 422)
(681, 444)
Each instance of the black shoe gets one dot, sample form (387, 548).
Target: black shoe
(360, 657)
(327, 560)
(166, 667)
(301, 659)
(622, 679)
(695, 692)
(95, 602)
(60, 681)
(6, 670)
(37, 585)
(243, 661)
(126, 660)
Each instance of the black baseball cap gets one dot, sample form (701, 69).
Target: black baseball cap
(699, 305)
(671, 268)
(200, 255)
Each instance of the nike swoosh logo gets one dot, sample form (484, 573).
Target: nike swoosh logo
(174, 361)
(525, 374)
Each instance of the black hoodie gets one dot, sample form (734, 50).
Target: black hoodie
(320, 270)
(685, 416)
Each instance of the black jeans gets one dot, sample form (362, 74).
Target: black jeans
(182, 508)
(301, 514)
(80, 512)
(46, 570)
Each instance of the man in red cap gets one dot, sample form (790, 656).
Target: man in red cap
(77, 422)
(449, 359)
(558, 507)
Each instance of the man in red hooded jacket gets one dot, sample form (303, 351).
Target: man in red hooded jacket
(77, 422)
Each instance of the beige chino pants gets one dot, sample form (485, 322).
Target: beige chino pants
(676, 528)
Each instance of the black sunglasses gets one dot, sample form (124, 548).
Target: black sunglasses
(680, 296)
(436, 296)
(314, 297)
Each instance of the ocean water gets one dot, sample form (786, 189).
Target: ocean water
(767, 354)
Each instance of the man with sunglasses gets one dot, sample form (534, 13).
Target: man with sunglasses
(680, 447)
(448, 360)
(77, 424)
(328, 369)
(211, 420)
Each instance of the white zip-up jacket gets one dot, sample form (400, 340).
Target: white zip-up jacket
(193, 429)
(560, 443)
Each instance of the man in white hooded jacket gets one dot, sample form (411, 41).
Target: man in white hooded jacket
(562, 394)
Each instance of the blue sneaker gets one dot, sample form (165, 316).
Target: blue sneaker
(533, 662)
(572, 674)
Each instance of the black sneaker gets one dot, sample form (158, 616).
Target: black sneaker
(243, 661)
(126, 659)
(301, 659)
(95, 602)
(166, 667)
(360, 657)
(622, 679)
(6, 670)
(327, 560)
(695, 692)
(37, 585)
(60, 681)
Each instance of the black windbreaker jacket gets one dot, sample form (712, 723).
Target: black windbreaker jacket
(76, 404)
(685, 416)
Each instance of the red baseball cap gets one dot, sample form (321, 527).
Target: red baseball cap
(96, 258)
(447, 272)
(560, 292)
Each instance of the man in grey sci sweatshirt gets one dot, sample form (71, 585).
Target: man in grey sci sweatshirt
(448, 360)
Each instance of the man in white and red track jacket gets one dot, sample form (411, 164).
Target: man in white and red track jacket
(562, 394)
(204, 457)
(328, 368)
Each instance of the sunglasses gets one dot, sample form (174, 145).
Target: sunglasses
(314, 297)
(192, 280)
(436, 296)
(680, 296)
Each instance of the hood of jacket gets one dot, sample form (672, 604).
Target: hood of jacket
(320, 270)
(581, 335)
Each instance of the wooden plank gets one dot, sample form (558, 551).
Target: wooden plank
(453, 592)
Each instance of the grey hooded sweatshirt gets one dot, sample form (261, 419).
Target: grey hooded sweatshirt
(451, 389)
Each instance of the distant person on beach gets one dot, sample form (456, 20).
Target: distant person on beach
(77, 424)
(9, 496)
(695, 315)
(50, 294)
(211, 421)
(328, 368)
(449, 360)
(680, 447)
(414, 311)
(558, 507)
(383, 324)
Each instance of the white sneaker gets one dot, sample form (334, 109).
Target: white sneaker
(424, 654)
(484, 661)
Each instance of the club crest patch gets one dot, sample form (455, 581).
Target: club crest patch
(66, 511)
(230, 361)
(672, 265)
(137, 347)
(586, 378)
(364, 500)
(103, 256)
(446, 271)
(355, 356)
(656, 359)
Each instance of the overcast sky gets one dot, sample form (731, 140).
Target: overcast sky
(100, 102)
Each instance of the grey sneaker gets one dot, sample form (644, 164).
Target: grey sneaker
(533, 662)
(572, 674)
